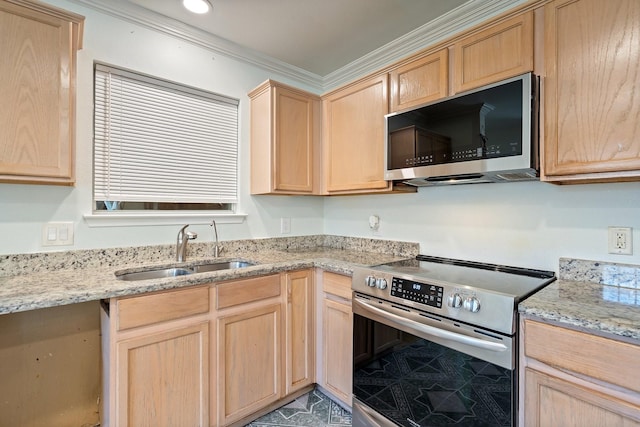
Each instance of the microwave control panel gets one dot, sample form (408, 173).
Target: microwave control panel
(421, 293)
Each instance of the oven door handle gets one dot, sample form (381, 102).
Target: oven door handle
(432, 331)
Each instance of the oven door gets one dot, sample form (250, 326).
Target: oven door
(416, 369)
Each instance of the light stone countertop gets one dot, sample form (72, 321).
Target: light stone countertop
(596, 297)
(590, 296)
(79, 276)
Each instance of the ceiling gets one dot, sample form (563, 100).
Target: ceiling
(317, 36)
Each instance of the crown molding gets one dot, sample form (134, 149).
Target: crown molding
(467, 15)
(154, 21)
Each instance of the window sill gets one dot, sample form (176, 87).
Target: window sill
(117, 219)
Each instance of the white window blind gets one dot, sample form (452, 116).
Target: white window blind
(157, 141)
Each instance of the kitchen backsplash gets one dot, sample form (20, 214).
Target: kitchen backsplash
(604, 273)
(16, 264)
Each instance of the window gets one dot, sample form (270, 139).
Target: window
(160, 146)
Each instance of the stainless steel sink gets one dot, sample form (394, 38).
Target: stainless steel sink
(155, 274)
(220, 266)
(160, 273)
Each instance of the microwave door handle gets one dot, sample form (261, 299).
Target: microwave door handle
(430, 330)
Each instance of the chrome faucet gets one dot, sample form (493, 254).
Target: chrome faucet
(181, 243)
(217, 249)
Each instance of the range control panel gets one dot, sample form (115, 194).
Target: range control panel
(419, 292)
(450, 290)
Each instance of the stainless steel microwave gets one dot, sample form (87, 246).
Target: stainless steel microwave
(488, 134)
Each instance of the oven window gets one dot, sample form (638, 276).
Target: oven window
(415, 382)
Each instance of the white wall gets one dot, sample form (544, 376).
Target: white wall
(525, 224)
(25, 208)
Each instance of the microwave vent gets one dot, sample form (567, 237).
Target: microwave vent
(489, 177)
(517, 176)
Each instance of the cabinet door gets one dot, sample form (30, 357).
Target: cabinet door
(300, 328)
(38, 46)
(338, 348)
(554, 402)
(354, 137)
(294, 140)
(285, 139)
(420, 81)
(162, 379)
(249, 361)
(591, 109)
(501, 51)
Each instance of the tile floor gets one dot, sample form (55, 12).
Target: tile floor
(313, 409)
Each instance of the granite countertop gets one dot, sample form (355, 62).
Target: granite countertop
(594, 297)
(92, 276)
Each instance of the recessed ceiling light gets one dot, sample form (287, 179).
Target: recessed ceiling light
(197, 6)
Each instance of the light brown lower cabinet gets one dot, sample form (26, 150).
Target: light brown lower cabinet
(552, 401)
(249, 355)
(337, 336)
(210, 355)
(337, 349)
(163, 378)
(574, 379)
(300, 330)
(156, 359)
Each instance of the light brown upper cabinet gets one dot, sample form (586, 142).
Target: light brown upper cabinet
(485, 56)
(285, 140)
(353, 137)
(591, 106)
(420, 81)
(38, 69)
(498, 52)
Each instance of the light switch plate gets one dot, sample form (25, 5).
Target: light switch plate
(57, 234)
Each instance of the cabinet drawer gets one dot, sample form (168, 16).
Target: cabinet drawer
(247, 290)
(337, 284)
(601, 358)
(160, 307)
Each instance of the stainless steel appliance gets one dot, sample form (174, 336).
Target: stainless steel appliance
(488, 134)
(435, 342)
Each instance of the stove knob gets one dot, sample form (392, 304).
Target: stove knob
(472, 304)
(381, 283)
(454, 300)
(370, 281)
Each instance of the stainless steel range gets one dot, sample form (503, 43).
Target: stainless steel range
(435, 342)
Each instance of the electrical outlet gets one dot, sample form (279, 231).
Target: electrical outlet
(374, 225)
(374, 222)
(620, 240)
(285, 225)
